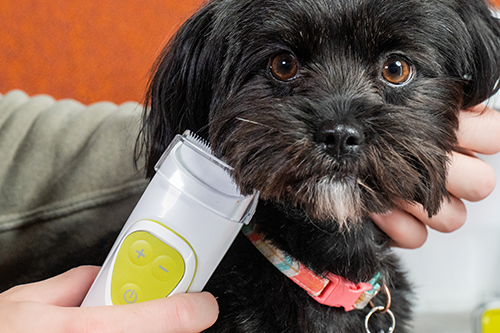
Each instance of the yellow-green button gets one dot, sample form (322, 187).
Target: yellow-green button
(140, 252)
(130, 293)
(164, 268)
(145, 269)
(491, 321)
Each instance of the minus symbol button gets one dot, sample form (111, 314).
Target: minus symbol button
(164, 268)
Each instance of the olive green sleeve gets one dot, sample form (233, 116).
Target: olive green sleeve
(68, 180)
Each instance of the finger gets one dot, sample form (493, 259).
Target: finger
(451, 216)
(470, 178)
(67, 289)
(183, 313)
(404, 229)
(479, 130)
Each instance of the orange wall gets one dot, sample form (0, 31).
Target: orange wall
(87, 50)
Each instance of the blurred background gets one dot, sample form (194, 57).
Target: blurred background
(103, 50)
(87, 50)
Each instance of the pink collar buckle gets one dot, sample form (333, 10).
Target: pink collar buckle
(340, 292)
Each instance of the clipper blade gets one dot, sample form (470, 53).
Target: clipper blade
(198, 141)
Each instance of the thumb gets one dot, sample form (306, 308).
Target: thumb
(183, 313)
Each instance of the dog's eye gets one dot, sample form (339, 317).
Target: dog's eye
(284, 66)
(397, 71)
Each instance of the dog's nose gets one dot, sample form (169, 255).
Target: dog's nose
(339, 139)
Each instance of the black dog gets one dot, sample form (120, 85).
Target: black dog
(333, 110)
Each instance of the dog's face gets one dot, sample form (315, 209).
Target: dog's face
(342, 108)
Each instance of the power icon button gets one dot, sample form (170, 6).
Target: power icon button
(130, 293)
(130, 296)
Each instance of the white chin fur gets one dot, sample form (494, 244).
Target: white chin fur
(339, 200)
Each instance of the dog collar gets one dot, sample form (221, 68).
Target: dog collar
(331, 290)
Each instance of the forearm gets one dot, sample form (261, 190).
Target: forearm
(68, 179)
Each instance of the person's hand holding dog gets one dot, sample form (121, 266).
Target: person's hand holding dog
(52, 306)
(469, 178)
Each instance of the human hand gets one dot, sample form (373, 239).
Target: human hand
(469, 178)
(52, 306)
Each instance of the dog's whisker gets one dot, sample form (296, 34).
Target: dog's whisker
(314, 224)
(204, 127)
(254, 122)
(401, 143)
(362, 184)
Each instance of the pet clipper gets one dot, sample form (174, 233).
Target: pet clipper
(179, 231)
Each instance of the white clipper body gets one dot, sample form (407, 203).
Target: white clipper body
(179, 231)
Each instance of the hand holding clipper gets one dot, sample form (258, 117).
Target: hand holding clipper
(179, 231)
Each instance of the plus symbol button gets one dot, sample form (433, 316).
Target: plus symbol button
(140, 253)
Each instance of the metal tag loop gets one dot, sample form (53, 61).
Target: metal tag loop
(388, 301)
(379, 310)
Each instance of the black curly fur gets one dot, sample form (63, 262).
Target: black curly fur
(214, 79)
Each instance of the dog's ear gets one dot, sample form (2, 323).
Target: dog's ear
(180, 90)
(482, 70)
